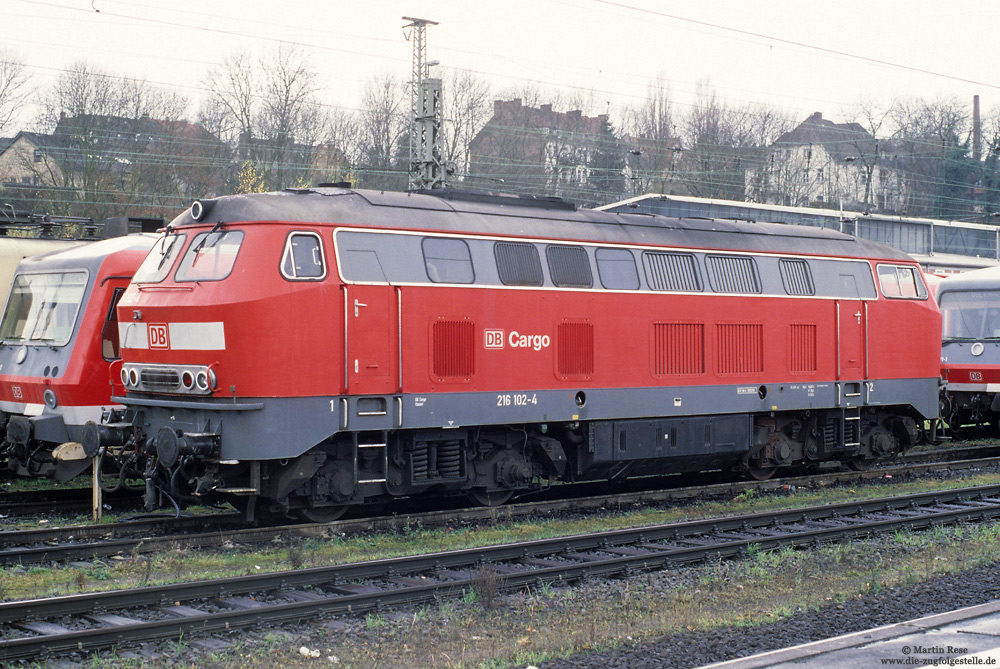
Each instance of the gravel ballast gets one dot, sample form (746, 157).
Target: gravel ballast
(893, 605)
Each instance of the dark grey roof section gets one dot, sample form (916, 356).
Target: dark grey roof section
(392, 210)
(5, 142)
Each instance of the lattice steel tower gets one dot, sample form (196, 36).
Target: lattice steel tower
(426, 167)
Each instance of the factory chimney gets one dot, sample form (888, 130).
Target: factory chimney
(977, 130)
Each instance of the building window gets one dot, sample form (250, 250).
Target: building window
(38, 156)
(819, 174)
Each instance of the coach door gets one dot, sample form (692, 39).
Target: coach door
(370, 314)
(852, 321)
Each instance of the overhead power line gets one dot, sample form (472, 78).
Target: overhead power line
(801, 45)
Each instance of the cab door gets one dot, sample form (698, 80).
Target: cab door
(370, 349)
(852, 319)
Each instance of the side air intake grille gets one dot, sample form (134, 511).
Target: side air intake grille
(575, 344)
(454, 349)
(678, 348)
(740, 348)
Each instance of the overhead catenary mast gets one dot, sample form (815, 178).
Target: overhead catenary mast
(426, 169)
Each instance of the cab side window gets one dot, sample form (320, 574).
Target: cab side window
(901, 281)
(303, 258)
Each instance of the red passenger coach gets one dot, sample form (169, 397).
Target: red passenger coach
(58, 337)
(318, 348)
(970, 348)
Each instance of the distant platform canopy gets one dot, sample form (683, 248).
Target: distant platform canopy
(941, 247)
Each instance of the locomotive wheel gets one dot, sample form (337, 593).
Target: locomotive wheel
(861, 464)
(490, 498)
(323, 514)
(761, 473)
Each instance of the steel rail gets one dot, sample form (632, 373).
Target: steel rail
(639, 549)
(35, 546)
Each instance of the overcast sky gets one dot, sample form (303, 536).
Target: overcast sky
(801, 56)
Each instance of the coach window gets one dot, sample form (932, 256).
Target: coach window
(109, 334)
(616, 268)
(569, 266)
(42, 308)
(447, 260)
(518, 264)
(303, 257)
(901, 281)
(160, 259)
(211, 256)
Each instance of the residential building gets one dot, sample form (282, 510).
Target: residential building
(539, 151)
(827, 164)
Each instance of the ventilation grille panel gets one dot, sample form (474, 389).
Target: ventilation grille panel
(802, 347)
(678, 348)
(740, 348)
(575, 349)
(454, 349)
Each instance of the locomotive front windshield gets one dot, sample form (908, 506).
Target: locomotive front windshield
(971, 315)
(43, 307)
(211, 256)
(161, 258)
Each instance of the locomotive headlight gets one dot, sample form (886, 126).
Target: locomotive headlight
(133, 377)
(187, 379)
(124, 376)
(213, 380)
(50, 398)
(202, 380)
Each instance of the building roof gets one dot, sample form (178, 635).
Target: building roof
(841, 140)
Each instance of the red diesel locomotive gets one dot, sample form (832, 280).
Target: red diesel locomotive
(319, 348)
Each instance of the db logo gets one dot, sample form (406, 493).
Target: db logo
(494, 338)
(18, 395)
(975, 376)
(158, 336)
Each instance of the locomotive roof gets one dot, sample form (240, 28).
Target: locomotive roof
(980, 279)
(512, 216)
(88, 255)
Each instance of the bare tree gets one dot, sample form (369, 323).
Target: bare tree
(14, 89)
(267, 108)
(870, 147)
(720, 143)
(467, 108)
(119, 145)
(651, 141)
(932, 138)
(384, 121)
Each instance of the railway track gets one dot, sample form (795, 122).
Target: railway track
(80, 623)
(157, 534)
